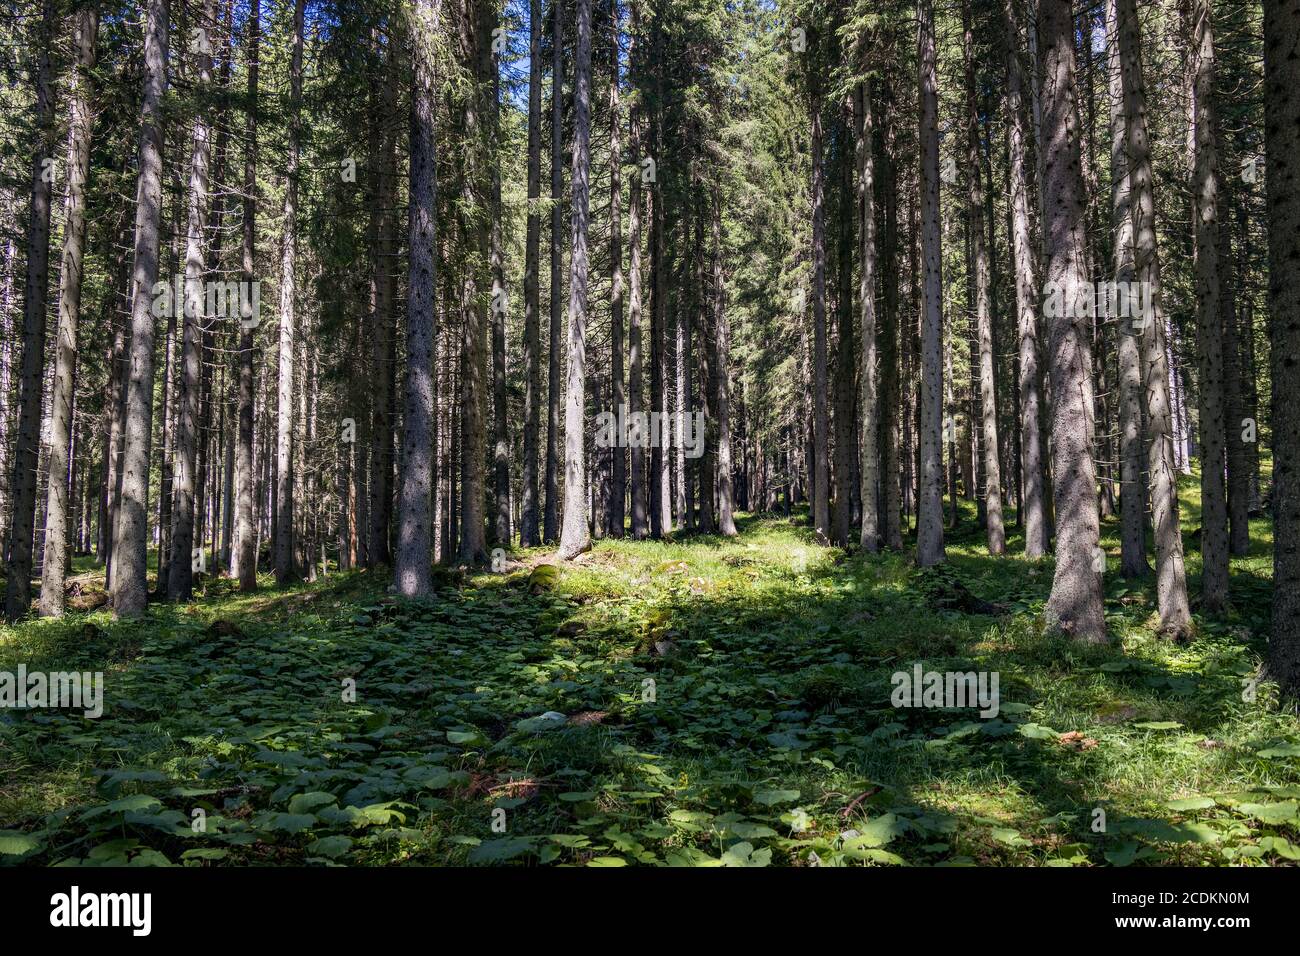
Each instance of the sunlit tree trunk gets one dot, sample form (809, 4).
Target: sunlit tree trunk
(54, 567)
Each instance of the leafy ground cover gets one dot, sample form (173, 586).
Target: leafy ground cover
(699, 702)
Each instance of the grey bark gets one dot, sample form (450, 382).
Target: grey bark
(529, 532)
(1282, 171)
(869, 441)
(284, 520)
(180, 577)
(54, 567)
(244, 559)
(26, 459)
(1209, 320)
(1075, 604)
(129, 555)
(929, 535)
(1023, 260)
(574, 536)
(412, 566)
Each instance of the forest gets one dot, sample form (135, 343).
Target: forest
(650, 433)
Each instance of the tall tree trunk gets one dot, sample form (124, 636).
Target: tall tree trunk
(54, 567)
(383, 344)
(1133, 496)
(992, 468)
(869, 442)
(284, 523)
(722, 376)
(618, 474)
(1075, 604)
(892, 417)
(551, 517)
(18, 548)
(640, 503)
(411, 569)
(180, 577)
(130, 592)
(1171, 577)
(1209, 321)
(660, 520)
(529, 532)
(821, 459)
(574, 537)
(1023, 260)
(844, 469)
(500, 411)
(474, 359)
(245, 554)
(1233, 378)
(929, 535)
(1282, 146)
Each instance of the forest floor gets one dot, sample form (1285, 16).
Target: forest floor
(697, 702)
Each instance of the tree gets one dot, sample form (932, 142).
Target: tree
(1209, 322)
(979, 257)
(869, 442)
(54, 567)
(929, 535)
(180, 577)
(1022, 254)
(551, 515)
(1171, 576)
(574, 537)
(1133, 497)
(529, 533)
(244, 559)
(1075, 604)
(284, 527)
(18, 548)
(411, 570)
(130, 592)
(1282, 171)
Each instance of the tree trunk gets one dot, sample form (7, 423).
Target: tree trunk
(284, 524)
(618, 474)
(1133, 497)
(820, 439)
(1023, 260)
(640, 503)
(500, 411)
(929, 535)
(1209, 321)
(574, 537)
(992, 468)
(54, 567)
(722, 377)
(551, 518)
(1171, 578)
(383, 343)
(1075, 604)
(1282, 146)
(130, 592)
(869, 441)
(245, 554)
(180, 576)
(411, 570)
(529, 532)
(18, 549)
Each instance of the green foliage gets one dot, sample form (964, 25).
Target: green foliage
(765, 738)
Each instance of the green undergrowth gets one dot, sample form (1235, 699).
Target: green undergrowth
(695, 702)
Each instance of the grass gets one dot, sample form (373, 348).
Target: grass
(723, 702)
